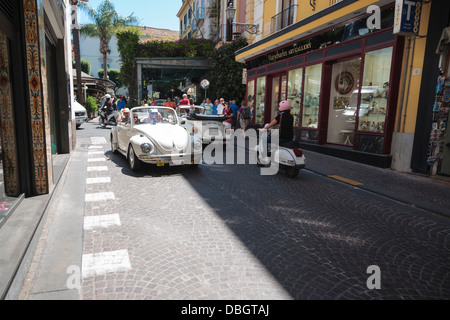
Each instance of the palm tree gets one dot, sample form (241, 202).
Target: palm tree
(106, 23)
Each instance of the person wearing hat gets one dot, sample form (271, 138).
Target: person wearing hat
(124, 116)
(184, 101)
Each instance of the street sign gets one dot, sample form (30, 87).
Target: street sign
(244, 76)
(407, 17)
(204, 84)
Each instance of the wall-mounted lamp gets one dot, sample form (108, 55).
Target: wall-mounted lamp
(250, 28)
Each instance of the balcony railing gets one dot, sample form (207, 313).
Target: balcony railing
(283, 19)
(228, 33)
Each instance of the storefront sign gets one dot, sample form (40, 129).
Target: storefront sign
(407, 17)
(290, 51)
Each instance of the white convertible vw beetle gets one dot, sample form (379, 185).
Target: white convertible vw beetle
(154, 135)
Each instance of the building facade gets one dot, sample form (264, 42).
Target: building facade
(357, 86)
(37, 124)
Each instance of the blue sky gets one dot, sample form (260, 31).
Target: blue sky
(151, 13)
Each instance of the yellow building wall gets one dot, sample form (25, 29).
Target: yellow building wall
(270, 11)
(408, 115)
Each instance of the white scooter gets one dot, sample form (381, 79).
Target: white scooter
(286, 155)
(111, 120)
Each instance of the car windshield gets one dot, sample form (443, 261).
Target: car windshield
(154, 115)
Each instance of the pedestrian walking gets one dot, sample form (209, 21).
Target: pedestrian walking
(170, 103)
(244, 114)
(208, 107)
(121, 103)
(216, 103)
(184, 101)
(235, 109)
(221, 106)
(229, 113)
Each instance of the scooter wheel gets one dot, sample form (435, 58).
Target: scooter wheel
(258, 162)
(292, 172)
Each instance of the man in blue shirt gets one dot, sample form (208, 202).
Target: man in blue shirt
(235, 109)
(216, 103)
(121, 103)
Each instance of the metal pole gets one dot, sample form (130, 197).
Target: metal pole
(402, 91)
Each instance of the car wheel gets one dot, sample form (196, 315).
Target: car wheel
(113, 145)
(292, 172)
(133, 161)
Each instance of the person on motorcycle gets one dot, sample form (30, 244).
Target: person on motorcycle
(285, 120)
(107, 107)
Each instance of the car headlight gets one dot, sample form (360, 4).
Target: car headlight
(146, 147)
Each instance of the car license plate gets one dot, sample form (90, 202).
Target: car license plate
(160, 163)
(213, 131)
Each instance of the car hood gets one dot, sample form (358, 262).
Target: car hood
(167, 137)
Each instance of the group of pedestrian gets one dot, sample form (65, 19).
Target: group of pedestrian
(239, 116)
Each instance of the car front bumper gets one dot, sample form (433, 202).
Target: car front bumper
(172, 159)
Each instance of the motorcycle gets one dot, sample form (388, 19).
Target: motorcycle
(286, 155)
(111, 119)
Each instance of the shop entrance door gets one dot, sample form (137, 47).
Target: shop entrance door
(343, 101)
(278, 93)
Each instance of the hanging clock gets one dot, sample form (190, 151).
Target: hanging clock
(344, 82)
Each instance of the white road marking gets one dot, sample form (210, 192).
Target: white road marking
(96, 159)
(95, 147)
(99, 168)
(99, 196)
(98, 140)
(102, 221)
(98, 180)
(95, 152)
(105, 262)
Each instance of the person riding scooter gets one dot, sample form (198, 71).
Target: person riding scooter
(285, 120)
(107, 108)
(286, 155)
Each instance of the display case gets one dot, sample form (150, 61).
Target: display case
(375, 91)
(372, 110)
(260, 100)
(250, 93)
(311, 98)
(294, 93)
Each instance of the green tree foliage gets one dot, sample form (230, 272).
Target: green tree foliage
(127, 41)
(91, 104)
(225, 77)
(113, 75)
(85, 66)
(190, 48)
(106, 24)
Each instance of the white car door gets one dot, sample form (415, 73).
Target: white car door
(123, 135)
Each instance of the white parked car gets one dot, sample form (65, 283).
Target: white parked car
(207, 127)
(80, 113)
(156, 138)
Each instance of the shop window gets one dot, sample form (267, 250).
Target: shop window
(343, 101)
(250, 93)
(259, 99)
(311, 98)
(375, 90)
(295, 93)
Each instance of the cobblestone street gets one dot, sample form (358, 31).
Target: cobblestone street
(226, 232)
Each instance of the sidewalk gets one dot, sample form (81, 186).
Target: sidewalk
(59, 216)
